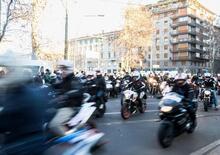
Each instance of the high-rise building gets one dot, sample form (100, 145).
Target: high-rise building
(181, 38)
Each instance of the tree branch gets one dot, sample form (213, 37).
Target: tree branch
(8, 14)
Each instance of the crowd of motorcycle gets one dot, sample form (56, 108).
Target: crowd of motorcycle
(54, 112)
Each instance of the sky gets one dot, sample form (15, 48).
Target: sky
(83, 19)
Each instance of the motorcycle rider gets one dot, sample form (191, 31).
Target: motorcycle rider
(113, 82)
(23, 110)
(209, 83)
(74, 99)
(183, 88)
(101, 85)
(138, 84)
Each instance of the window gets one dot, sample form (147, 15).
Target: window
(165, 30)
(158, 32)
(165, 22)
(157, 40)
(149, 56)
(183, 62)
(109, 55)
(90, 47)
(165, 63)
(158, 63)
(165, 55)
(158, 56)
(165, 39)
(158, 48)
(165, 47)
(102, 55)
(149, 48)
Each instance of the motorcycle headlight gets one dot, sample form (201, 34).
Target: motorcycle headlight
(166, 109)
(207, 92)
(127, 96)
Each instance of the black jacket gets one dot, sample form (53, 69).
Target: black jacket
(186, 90)
(70, 83)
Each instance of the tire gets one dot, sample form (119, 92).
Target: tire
(101, 109)
(205, 106)
(125, 111)
(143, 108)
(192, 127)
(165, 134)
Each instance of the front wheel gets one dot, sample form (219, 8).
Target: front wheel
(205, 106)
(165, 134)
(125, 111)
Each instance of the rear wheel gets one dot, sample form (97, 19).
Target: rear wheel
(125, 111)
(165, 134)
(101, 109)
(143, 107)
(192, 127)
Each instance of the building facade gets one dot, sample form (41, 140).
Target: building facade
(181, 37)
(96, 52)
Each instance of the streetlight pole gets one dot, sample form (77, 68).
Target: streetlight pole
(66, 35)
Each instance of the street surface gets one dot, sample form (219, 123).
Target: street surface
(138, 135)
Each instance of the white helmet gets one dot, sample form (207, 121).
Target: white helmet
(136, 75)
(66, 67)
(180, 79)
(181, 76)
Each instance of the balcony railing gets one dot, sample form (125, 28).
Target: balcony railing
(190, 40)
(181, 23)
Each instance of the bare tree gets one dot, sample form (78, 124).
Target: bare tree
(37, 9)
(135, 36)
(13, 11)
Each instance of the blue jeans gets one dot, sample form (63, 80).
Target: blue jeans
(214, 101)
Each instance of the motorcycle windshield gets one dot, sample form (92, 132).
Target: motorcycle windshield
(171, 99)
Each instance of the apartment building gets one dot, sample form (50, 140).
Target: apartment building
(96, 52)
(181, 37)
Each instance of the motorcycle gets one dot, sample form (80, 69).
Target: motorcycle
(130, 103)
(154, 86)
(81, 139)
(99, 100)
(175, 118)
(207, 99)
(109, 88)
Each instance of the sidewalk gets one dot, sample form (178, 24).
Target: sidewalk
(214, 151)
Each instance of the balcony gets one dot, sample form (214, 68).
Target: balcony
(200, 57)
(181, 23)
(189, 40)
(190, 31)
(180, 58)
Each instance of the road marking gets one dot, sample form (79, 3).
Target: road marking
(207, 148)
(130, 122)
(145, 120)
(117, 113)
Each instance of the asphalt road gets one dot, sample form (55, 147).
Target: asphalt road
(138, 135)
